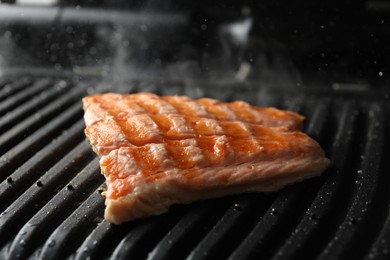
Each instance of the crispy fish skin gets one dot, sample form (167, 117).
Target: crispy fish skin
(159, 151)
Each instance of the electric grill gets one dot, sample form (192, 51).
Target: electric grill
(266, 54)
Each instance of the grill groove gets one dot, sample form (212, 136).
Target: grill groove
(28, 147)
(33, 105)
(366, 182)
(50, 207)
(328, 196)
(14, 87)
(39, 227)
(20, 97)
(31, 200)
(225, 236)
(186, 233)
(381, 244)
(145, 235)
(70, 234)
(37, 120)
(31, 170)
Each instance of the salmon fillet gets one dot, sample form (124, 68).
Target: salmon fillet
(159, 151)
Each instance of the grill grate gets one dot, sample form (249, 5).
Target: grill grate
(51, 205)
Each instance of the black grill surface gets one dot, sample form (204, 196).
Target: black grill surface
(50, 183)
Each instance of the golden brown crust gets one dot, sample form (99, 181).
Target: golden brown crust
(157, 151)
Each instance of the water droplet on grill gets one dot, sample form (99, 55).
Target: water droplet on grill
(70, 187)
(22, 242)
(237, 207)
(274, 212)
(39, 184)
(353, 221)
(10, 180)
(51, 243)
(62, 84)
(37, 115)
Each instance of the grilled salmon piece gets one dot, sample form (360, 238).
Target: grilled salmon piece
(115, 120)
(159, 151)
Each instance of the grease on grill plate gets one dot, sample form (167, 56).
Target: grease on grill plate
(51, 205)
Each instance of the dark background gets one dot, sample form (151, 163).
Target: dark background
(338, 44)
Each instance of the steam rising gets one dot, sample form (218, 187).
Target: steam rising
(150, 52)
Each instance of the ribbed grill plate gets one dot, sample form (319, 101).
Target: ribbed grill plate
(50, 181)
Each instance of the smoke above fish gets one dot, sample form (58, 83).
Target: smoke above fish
(150, 45)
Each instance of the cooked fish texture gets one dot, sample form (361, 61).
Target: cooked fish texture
(159, 151)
